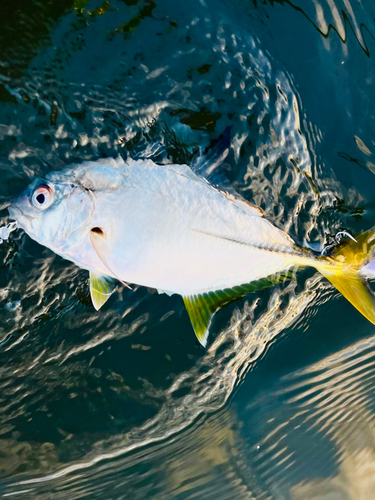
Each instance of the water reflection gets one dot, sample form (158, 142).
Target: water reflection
(332, 18)
(338, 392)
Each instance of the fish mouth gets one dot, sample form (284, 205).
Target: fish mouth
(14, 212)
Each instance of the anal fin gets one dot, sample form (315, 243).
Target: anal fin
(202, 307)
(101, 288)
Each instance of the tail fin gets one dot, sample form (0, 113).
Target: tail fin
(342, 269)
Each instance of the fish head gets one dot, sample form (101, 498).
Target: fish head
(62, 210)
(54, 212)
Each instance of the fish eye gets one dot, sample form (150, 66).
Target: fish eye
(42, 197)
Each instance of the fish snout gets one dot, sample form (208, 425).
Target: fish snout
(14, 211)
(19, 210)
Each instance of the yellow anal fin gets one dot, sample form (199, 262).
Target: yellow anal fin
(101, 288)
(354, 290)
(200, 314)
(201, 307)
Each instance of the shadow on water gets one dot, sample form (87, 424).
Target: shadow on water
(125, 402)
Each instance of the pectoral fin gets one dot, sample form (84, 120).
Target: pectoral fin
(103, 251)
(100, 245)
(101, 288)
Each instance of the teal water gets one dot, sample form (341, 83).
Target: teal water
(124, 403)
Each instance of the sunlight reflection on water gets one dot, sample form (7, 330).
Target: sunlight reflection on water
(124, 401)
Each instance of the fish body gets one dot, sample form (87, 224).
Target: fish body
(164, 227)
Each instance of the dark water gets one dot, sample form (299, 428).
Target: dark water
(124, 403)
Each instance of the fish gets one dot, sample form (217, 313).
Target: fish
(167, 227)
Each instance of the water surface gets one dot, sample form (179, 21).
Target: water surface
(124, 402)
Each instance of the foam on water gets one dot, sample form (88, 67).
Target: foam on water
(6, 230)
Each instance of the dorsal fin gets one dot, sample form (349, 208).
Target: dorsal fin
(213, 156)
(210, 166)
(245, 205)
(155, 151)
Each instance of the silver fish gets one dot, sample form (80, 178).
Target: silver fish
(165, 227)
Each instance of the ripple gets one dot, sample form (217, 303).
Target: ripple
(125, 400)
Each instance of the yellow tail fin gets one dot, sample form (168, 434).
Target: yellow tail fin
(353, 289)
(343, 271)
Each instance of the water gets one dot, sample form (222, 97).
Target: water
(124, 403)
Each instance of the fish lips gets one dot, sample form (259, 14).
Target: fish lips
(14, 212)
(18, 210)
